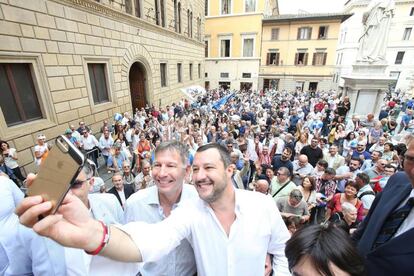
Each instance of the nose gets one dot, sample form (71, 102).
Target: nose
(200, 174)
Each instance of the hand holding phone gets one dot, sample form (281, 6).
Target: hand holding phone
(57, 172)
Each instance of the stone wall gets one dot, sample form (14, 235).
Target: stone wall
(59, 38)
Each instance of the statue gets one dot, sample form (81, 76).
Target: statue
(373, 42)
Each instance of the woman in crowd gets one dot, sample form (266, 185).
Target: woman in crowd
(390, 154)
(300, 143)
(143, 147)
(349, 195)
(10, 159)
(307, 189)
(374, 134)
(347, 219)
(323, 250)
(41, 149)
(127, 176)
(348, 141)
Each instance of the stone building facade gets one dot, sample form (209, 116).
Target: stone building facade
(65, 61)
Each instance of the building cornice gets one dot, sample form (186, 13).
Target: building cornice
(306, 17)
(234, 15)
(110, 13)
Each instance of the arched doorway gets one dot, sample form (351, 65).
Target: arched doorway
(137, 87)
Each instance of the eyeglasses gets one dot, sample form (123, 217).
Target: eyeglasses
(77, 183)
(408, 158)
(280, 174)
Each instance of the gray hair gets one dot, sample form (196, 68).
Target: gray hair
(88, 168)
(348, 207)
(176, 146)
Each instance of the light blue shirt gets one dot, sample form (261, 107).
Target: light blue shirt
(145, 206)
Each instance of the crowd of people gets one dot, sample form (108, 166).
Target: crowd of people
(303, 153)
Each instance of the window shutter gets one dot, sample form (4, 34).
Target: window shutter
(277, 58)
(310, 33)
(298, 37)
(296, 58)
(314, 59)
(324, 58)
(305, 59)
(268, 59)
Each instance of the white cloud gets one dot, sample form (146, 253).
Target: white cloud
(310, 6)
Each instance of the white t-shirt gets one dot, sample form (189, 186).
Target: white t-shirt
(9, 161)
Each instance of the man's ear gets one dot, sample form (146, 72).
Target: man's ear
(91, 182)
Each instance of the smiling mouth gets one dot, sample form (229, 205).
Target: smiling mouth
(201, 184)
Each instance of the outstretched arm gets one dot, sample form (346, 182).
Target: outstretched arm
(73, 227)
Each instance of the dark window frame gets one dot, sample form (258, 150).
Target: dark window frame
(163, 74)
(400, 57)
(325, 33)
(190, 71)
(309, 33)
(179, 72)
(98, 98)
(20, 109)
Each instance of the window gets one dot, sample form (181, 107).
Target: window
(137, 8)
(225, 6)
(246, 75)
(175, 16)
(274, 34)
(128, 6)
(399, 58)
(162, 12)
(272, 59)
(224, 75)
(157, 13)
(188, 23)
(407, 33)
(205, 48)
(179, 16)
(206, 74)
(225, 48)
(19, 102)
(206, 7)
(198, 28)
(323, 32)
(301, 58)
(319, 58)
(163, 72)
(304, 33)
(99, 87)
(179, 72)
(248, 45)
(191, 24)
(199, 71)
(412, 11)
(249, 5)
(191, 71)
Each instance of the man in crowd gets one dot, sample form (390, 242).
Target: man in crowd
(121, 191)
(144, 179)
(283, 160)
(301, 169)
(377, 170)
(233, 217)
(345, 173)
(365, 192)
(90, 145)
(333, 158)
(370, 163)
(385, 236)
(293, 205)
(105, 144)
(155, 203)
(282, 185)
(313, 152)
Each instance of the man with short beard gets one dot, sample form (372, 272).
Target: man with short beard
(231, 230)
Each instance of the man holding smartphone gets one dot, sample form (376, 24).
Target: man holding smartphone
(71, 261)
(231, 230)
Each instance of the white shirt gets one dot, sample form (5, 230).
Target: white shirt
(367, 199)
(105, 144)
(145, 206)
(121, 196)
(89, 142)
(408, 223)
(257, 229)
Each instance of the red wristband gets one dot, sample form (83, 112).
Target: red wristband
(104, 242)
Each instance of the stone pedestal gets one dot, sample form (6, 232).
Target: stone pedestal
(366, 87)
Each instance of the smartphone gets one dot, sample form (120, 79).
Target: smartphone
(57, 172)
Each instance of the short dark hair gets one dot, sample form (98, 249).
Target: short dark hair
(322, 245)
(389, 166)
(379, 152)
(224, 154)
(391, 145)
(364, 177)
(288, 149)
(356, 159)
(330, 171)
(323, 163)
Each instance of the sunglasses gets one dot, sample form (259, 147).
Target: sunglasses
(78, 183)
